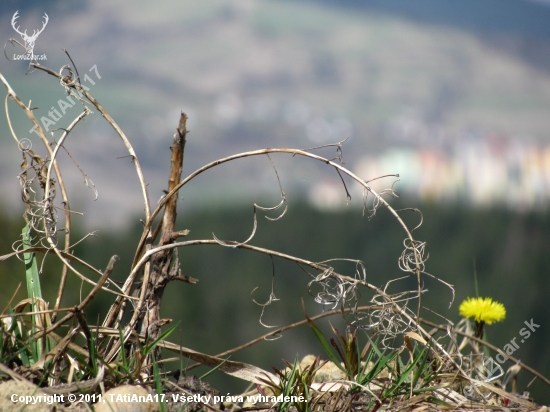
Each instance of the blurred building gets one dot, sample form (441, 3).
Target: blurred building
(483, 170)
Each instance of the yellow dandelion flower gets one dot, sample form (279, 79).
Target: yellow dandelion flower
(483, 310)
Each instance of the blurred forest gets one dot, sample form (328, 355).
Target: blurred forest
(510, 251)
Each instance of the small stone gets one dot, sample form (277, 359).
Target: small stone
(329, 372)
(25, 388)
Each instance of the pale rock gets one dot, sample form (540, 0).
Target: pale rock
(24, 388)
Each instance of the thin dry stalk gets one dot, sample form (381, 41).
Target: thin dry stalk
(89, 297)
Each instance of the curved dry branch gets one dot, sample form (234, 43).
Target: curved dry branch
(278, 331)
(265, 209)
(259, 152)
(318, 266)
(68, 81)
(390, 303)
(67, 255)
(411, 255)
(67, 210)
(78, 308)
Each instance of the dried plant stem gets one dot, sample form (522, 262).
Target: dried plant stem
(66, 205)
(317, 266)
(155, 280)
(285, 328)
(260, 152)
(78, 260)
(88, 299)
(162, 268)
(418, 263)
(270, 252)
(76, 85)
(489, 345)
(39, 312)
(61, 183)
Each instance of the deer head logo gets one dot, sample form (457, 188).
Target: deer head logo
(29, 40)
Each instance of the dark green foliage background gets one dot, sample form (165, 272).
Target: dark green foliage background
(510, 250)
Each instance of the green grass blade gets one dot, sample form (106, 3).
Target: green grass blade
(214, 369)
(31, 268)
(33, 284)
(363, 369)
(150, 347)
(158, 383)
(23, 348)
(94, 361)
(289, 385)
(431, 388)
(380, 364)
(403, 377)
(375, 348)
(125, 365)
(327, 347)
(422, 367)
(440, 402)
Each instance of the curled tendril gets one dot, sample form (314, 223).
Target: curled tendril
(67, 80)
(282, 203)
(272, 298)
(40, 213)
(414, 256)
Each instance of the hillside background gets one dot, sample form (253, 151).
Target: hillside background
(452, 96)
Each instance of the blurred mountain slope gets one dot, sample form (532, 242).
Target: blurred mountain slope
(519, 27)
(488, 17)
(252, 74)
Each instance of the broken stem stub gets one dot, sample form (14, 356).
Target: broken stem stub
(163, 264)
